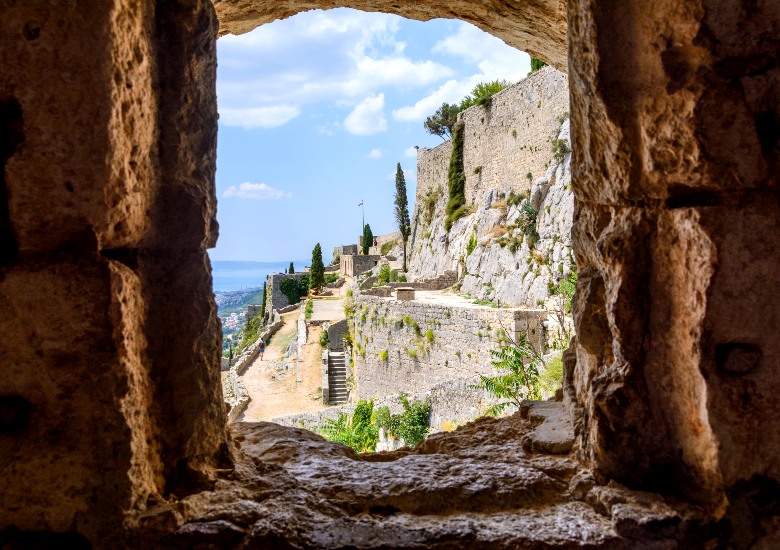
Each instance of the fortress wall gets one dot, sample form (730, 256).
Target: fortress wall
(460, 348)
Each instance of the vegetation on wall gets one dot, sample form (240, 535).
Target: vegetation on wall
(536, 64)
(456, 180)
(527, 223)
(472, 244)
(560, 149)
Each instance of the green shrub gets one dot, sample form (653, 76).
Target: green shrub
(416, 328)
(358, 432)
(411, 425)
(309, 308)
(401, 278)
(429, 335)
(472, 244)
(527, 223)
(560, 149)
(387, 247)
(384, 275)
(520, 379)
(537, 64)
(383, 355)
(331, 278)
(412, 353)
(324, 339)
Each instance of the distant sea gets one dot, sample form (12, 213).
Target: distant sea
(229, 275)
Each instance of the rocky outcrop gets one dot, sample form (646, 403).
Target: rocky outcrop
(537, 27)
(505, 146)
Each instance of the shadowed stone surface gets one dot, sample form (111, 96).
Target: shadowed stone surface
(472, 488)
(535, 26)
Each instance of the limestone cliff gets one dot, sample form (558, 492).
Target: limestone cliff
(516, 160)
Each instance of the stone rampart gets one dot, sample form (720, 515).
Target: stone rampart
(411, 346)
(508, 152)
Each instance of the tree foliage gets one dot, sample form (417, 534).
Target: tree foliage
(483, 93)
(317, 270)
(294, 288)
(521, 364)
(262, 304)
(368, 239)
(537, 64)
(411, 425)
(443, 120)
(291, 269)
(358, 431)
(402, 209)
(456, 179)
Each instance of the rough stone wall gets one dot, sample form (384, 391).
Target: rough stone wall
(459, 348)
(336, 332)
(676, 136)
(537, 27)
(275, 298)
(107, 149)
(507, 150)
(345, 250)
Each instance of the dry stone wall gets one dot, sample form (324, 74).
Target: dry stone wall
(508, 150)
(411, 346)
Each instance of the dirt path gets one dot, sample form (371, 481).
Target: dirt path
(276, 391)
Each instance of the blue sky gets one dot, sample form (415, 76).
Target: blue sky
(317, 110)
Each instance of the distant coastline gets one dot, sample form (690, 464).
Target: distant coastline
(243, 275)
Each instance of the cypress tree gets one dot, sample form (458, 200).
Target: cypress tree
(317, 270)
(368, 238)
(402, 208)
(292, 268)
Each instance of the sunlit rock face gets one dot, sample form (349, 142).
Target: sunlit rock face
(535, 26)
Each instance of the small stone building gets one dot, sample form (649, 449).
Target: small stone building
(355, 264)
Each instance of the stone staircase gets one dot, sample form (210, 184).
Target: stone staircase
(337, 378)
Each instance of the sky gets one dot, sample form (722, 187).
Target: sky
(315, 113)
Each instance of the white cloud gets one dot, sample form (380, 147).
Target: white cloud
(258, 191)
(374, 154)
(494, 59)
(368, 117)
(410, 152)
(451, 91)
(336, 56)
(259, 117)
